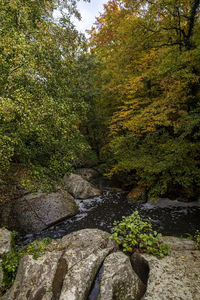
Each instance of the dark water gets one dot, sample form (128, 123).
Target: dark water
(168, 217)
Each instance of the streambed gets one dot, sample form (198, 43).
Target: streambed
(168, 217)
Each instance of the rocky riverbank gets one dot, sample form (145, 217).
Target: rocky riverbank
(69, 268)
(35, 211)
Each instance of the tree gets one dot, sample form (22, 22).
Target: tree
(42, 103)
(150, 71)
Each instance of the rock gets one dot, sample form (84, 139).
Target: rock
(87, 173)
(79, 279)
(35, 278)
(178, 243)
(119, 281)
(35, 212)
(82, 243)
(64, 273)
(5, 241)
(5, 214)
(141, 267)
(5, 247)
(136, 194)
(176, 276)
(118, 190)
(1, 277)
(80, 188)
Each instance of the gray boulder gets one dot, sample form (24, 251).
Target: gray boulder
(35, 278)
(5, 241)
(79, 279)
(1, 277)
(5, 247)
(119, 281)
(176, 276)
(79, 187)
(35, 212)
(87, 173)
(68, 269)
(66, 272)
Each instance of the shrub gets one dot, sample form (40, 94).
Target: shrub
(133, 234)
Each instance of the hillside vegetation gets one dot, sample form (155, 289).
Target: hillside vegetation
(131, 96)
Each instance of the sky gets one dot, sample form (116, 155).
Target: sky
(88, 12)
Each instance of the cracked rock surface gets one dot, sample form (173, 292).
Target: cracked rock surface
(69, 269)
(67, 272)
(176, 276)
(119, 281)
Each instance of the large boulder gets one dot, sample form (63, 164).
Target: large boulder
(66, 272)
(79, 279)
(5, 241)
(176, 276)
(119, 281)
(35, 212)
(5, 247)
(35, 278)
(87, 173)
(79, 187)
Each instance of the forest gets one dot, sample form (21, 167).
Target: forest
(127, 100)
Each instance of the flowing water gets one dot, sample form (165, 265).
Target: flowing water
(168, 217)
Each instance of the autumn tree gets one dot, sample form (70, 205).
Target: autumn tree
(150, 80)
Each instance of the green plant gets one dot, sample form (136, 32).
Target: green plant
(135, 235)
(13, 235)
(197, 239)
(11, 259)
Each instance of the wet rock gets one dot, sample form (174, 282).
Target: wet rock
(137, 194)
(176, 276)
(87, 173)
(66, 272)
(80, 188)
(119, 281)
(35, 212)
(5, 241)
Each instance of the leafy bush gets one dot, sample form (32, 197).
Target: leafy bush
(11, 259)
(135, 235)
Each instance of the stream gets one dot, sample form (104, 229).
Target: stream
(168, 217)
